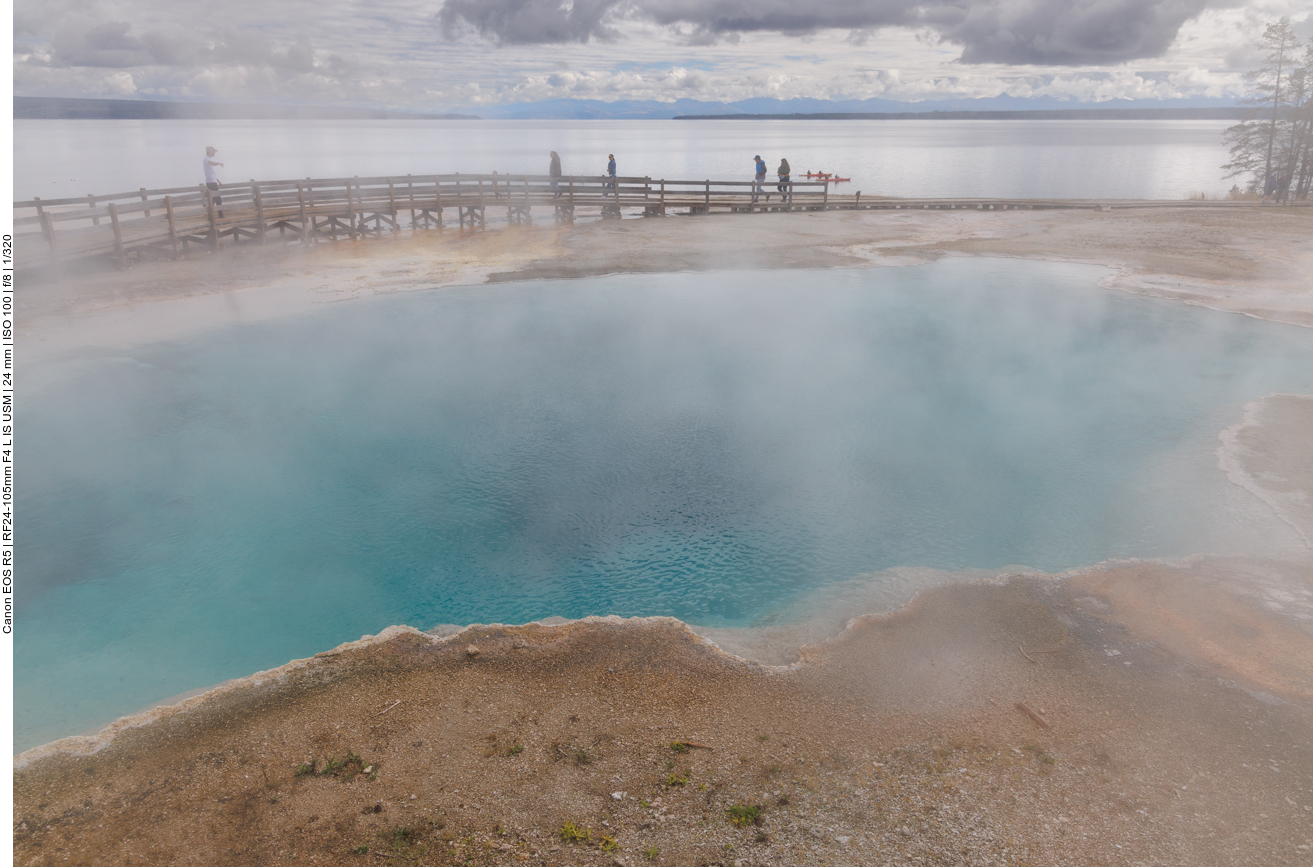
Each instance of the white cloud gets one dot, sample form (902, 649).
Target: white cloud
(397, 57)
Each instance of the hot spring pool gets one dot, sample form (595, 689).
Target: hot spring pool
(715, 447)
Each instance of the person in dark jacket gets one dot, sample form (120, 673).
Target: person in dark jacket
(783, 171)
(610, 172)
(554, 172)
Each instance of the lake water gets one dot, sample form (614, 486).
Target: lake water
(1166, 159)
(713, 447)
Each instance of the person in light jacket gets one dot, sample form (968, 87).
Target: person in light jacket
(212, 182)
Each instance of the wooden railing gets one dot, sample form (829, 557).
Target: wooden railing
(169, 223)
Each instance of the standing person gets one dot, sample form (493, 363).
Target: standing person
(610, 173)
(554, 172)
(212, 182)
(1269, 187)
(783, 171)
(760, 181)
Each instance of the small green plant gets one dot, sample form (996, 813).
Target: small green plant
(407, 844)
(679, 747)
(515, 750)
(581, 757)
(362, 849)
(345, 769)
(572, 833)
(651, 852)
(644, 804)
(741, 816)
(1048, 759)
(608, 843)
(783, 801)
(677, 780)
(763, 738)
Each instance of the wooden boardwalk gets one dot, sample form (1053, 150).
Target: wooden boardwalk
(149, 224)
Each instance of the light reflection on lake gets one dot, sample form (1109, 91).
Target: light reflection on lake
(1133, 159)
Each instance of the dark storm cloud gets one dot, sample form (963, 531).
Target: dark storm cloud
(1063, 32)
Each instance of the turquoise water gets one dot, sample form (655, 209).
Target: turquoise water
(711, 447)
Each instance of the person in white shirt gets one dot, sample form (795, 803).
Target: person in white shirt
(212, 181)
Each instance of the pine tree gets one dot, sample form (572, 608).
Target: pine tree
(1274, 142)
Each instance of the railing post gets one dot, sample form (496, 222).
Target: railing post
(91, 202)
(392, 202)
(410, 193)
(663, 197)
(305, 219)
(47, 225)
(173, 226)
(144, 200)
(214, 224)
(259, 212)
(350, 212)
(825, 202)
(118, 235)
(707, 197)
(437, 186)
(857, 205)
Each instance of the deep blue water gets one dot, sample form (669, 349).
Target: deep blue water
(708, 446)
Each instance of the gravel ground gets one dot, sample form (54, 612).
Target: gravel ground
(904, 742)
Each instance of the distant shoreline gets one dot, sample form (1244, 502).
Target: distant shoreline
(1037, 114)
(53, 108)
(62, 108)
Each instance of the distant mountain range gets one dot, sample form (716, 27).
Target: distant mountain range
(52, 108)
(640, 110)
(1055, 114)
(40, 107)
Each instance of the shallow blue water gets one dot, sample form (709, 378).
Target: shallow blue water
(704, 446)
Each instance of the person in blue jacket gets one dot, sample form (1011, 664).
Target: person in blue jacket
(761, 178)
(610, 172)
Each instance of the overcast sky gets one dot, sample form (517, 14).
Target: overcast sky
(434, 55)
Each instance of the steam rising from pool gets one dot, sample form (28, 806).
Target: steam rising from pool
(719, 448)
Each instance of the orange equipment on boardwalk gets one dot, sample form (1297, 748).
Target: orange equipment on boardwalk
(827, 177)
